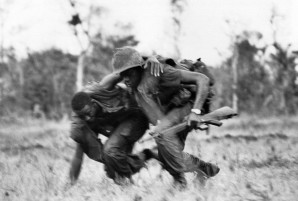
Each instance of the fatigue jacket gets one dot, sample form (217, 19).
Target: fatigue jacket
(115, 105)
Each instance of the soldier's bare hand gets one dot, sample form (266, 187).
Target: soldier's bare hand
(194, 120)
(72, 181)
(156, 68)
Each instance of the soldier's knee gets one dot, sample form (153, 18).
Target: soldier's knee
(109, 150)
(109, 153)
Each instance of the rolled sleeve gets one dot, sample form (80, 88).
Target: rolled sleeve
(76, 130)
(82, 134)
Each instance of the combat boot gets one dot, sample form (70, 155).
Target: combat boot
(208, 169)
(180, 182)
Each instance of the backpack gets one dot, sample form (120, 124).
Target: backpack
(184, 94)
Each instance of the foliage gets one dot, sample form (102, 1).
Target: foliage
(285, 89)
(49, 80)
(253, 80)
(261, 166)
(223, 84)
(98, 63)
(262, 87)
(177, 9)
(11, 80)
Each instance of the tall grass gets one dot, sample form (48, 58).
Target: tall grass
(257, 157)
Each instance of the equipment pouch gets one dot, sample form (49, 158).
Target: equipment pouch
(181, 98)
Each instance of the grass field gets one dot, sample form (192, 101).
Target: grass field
(258, 158)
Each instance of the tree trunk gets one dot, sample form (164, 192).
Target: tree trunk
(235, 79)
(80, 71)
(21, 82)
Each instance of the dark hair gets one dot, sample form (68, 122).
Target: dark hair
(79, 100)
(199, 64)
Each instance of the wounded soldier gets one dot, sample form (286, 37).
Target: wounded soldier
(106, 108)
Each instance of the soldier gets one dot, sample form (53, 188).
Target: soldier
(155, 96)
(200, 67)
(197, 66)
(105, 108)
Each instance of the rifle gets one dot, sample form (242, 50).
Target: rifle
(213, 118)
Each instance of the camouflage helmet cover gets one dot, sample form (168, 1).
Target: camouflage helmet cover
(125, 58)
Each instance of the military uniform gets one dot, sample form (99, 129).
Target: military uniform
(165, 98)
(197, 66)
(121, 121)
(163, 90)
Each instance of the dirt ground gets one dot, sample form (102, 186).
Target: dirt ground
(258, 158)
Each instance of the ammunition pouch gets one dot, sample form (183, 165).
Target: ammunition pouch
(181, 98)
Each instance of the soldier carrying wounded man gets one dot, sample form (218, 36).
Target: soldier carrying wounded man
(148, 98)
(106, 108)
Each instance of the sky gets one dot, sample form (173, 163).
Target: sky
(41, 24)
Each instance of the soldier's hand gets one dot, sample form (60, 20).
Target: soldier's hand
(156, 68)
(73, 180)
(194, 120)
(152, 129)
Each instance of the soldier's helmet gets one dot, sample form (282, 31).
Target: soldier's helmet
(125, 58)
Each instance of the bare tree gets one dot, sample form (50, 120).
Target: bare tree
(282, 62)
(177, 8)
(77, 24)
(235, 57)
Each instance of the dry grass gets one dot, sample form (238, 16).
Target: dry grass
(258, 160)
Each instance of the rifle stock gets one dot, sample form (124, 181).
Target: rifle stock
(213, 118)
(220, 114)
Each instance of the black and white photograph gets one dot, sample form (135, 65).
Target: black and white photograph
(149, 100)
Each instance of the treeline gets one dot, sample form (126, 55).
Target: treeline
(267, 77)
(44, 82)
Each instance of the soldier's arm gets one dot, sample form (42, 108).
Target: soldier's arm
(145, 97)
(76, 164)
(154, 64)
(109, 81)
(95, 149)
(86, 142)
(202, 83)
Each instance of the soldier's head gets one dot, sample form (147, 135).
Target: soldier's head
(128, 62)
(83, 106)
(198, 65)
(187, 63)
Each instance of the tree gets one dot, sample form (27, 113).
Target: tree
(282, 64)
(94, 60)
(285, 90)
(253, 84)
(177, 8)
(77, 23)
(99, 60)
(11, 80)
(49, 81)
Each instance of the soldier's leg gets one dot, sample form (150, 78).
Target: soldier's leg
(117, 150)
(194, 164)
(170, 146)
(206, 108)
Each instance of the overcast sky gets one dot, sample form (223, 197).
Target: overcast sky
(41, 24)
